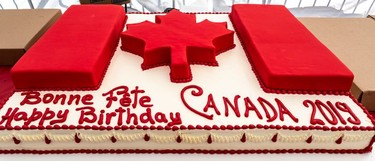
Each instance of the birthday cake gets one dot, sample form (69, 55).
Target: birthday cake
(252, 81)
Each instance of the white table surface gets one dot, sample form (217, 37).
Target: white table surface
(188, 157)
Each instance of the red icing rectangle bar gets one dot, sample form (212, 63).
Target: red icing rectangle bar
(285, 55)
(75, 52)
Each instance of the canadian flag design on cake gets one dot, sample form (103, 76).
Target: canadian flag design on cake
(274, 88)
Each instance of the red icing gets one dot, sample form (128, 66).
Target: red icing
(84, 112)
(251, 107)
(243, 138)
(34, 97)
(113, 139)
(199, 92)
(146, 137)
(234, 106)
(16, 141)
(48, 97)
(344, 107)
(339, 140)
(175, 120)
(274, 138)
(166, 42)
(283, 110)
(313, 120)
(75, 52)
(178, 139)
(296, 60)
(209, 139)
(47, 140)
(331, 113)
(76, 138)
(145, 118)
(62, 116)
(272, 113)
(127, 98)
(211, 105)
(309, 140)
(264, 103)
(331, 118)
(135, 92)
(337, 113)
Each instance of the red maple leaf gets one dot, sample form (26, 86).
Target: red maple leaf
(178, 41)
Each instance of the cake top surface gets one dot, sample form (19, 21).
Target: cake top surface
(219, 96)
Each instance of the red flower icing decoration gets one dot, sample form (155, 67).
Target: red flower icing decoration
(178, 41)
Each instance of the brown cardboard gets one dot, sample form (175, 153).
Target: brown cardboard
(104, 1)
(20, 29)
(352, 40)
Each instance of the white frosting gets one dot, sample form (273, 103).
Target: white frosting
(293, 138)
(259, 138)
(354, 138)
(6, 138)
(225, 139)
(95, 138)
(163, 138)
(30, 137)
(328, 138)
(195, 139)
(129, 137)
(60, 137)
(232, 77)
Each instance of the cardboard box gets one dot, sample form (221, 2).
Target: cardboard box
(20, 29)
(104, 1)
(353, 41)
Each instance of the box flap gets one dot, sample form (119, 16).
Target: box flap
(21, 29)
(368, 99)
(352, 40)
